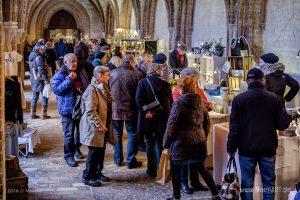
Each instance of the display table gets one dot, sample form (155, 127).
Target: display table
(287, 160)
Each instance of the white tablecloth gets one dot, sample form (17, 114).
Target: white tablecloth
(30, 137)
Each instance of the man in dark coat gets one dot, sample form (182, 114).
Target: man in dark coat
(38, 77)
(143, 64)
(178, 59)
(83, 64)
(123, 84)
(81, 45)
(50, 57)
(61, 49)
(255, 116)
(154, 120)
(69, 84)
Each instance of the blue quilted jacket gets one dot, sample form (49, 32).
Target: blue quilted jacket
(62, 86)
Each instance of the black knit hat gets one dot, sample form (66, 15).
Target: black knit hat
(255, 74)
(270, 58)
(160, 58)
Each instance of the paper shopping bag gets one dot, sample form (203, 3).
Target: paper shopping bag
(164, 169)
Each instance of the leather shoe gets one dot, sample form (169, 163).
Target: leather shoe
(92, 182)
(151, 174)
(102, 177)
(135, 164)
(71, 162)
(199, 187)
(78, 154)
(172, 198)
(186, 189)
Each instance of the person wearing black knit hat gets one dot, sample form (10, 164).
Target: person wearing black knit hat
(276, 79)
(255, 116)
(99, 56)
(161, 59)
(268, 58)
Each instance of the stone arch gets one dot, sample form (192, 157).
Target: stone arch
(137, 11)
(40, 19)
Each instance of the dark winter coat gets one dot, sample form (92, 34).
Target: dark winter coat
(276, 82)
(84, 47)
(61, 49)
(142, 72)
(37, 63)
(123, 84)
(62, 86)
(50, 57)
(255, 117)
(90, 57)
(96, 62)
(187, 129)
(144, 96)
(174, 61)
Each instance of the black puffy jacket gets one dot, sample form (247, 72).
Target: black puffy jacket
(187, 129)
(277, 81)
(255, 116)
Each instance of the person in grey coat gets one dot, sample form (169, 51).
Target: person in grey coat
(93, 125)
(38, 77)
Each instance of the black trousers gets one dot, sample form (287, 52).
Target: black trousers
(94, 162)
(192, 173)
(176, 178)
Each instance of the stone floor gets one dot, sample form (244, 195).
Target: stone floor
(51, 178)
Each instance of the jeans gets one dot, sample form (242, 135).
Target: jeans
(71, 138)
(176, 170)
(132, 146)
(154, 147)
(95, 158)
(267, 172)
(35, 98)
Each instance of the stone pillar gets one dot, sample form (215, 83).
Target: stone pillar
(10, 43)
(2, 107)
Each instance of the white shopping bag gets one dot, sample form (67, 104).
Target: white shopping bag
(47, 90)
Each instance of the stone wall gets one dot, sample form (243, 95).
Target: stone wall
(209, 21)
(161, 28)
(2, 107)
(282, 32)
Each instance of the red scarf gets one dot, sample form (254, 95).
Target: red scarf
(180, 57)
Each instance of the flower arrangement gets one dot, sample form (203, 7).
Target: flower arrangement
(218, 46)
(206, 45)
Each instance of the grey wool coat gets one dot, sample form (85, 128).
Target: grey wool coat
(94, 106)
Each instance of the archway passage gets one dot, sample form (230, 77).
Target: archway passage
(62, 23)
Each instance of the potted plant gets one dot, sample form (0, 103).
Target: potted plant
(218, 48)
(206, 45)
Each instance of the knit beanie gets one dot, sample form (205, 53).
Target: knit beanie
(160, 58)
(270, 58)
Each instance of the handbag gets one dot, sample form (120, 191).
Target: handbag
(164, 169)
(239, 44)
(155, 104)
(230, 186)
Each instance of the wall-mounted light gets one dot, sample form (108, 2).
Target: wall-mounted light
(298, 55)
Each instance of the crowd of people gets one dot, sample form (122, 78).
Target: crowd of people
(99, 90)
